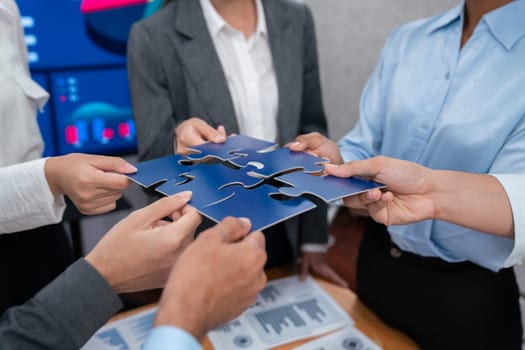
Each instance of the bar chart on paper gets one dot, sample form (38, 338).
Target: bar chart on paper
(287, 320)
(286, 310)
(126, 334)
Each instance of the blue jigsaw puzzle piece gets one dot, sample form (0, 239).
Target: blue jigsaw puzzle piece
(328, 188)
(280, 161)
(257, 205)
(230, 148)
(155, 171)
(206, 182)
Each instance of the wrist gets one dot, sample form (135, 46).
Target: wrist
(52, 172)
(440, 193)
(51, 176)
(104, 271)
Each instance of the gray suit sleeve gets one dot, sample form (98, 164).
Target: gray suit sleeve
(150, 97)
(63, 315)
(314, 227)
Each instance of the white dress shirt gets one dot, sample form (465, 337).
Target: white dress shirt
(514, 185)
(20, 96)
(249, 71)
(26, 201)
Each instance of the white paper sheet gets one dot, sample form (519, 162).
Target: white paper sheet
(126, 334)
(348, 338)
(286, 310)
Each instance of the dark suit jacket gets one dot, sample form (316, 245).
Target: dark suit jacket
(175, 73)
(63, 315)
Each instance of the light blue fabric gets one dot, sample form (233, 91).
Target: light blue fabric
(431, 102)
(166, 337)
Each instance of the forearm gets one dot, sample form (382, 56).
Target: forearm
(63, 315)
(476, 201)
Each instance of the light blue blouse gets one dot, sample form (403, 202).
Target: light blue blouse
(447, 107)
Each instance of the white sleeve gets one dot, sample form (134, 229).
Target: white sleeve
(514, 185)
(25, 198)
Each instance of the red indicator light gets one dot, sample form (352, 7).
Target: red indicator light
(124, 130)
(72, 134)
(108, 133)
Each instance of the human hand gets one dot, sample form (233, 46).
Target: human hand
(93, 183)
(139, 252)
(409, 196)
(317, 263)
(195, 131)
(215, 279)
(316, 144)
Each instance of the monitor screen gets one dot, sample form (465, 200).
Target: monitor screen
(76, 51)
(92, 111)
(56, 36)
(45, 122)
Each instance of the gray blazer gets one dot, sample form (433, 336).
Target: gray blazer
(63, 315)
(175, 73)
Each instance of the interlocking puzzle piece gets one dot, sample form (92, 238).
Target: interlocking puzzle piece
(328, 188)
(220, 191)
(158, 170)
(230, 148)
(257, 205)
(206, 182)
(280, 161)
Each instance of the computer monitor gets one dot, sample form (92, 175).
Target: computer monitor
(76, 54)
(92, 111)
(57, 38)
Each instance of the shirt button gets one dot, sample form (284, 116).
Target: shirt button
(447, 75)
(395, 253)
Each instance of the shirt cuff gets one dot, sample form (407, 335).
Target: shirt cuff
(168, 337)
(56, 204)
(314, 248)
(29, 200)
(515, 189)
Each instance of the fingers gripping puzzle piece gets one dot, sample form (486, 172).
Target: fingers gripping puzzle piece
(257, 205)
(239, 185)
(328, 188)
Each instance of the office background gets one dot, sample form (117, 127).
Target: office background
(85, 78)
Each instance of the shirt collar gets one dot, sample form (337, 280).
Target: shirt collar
(447, 17)
(216, 23)
(507, 23)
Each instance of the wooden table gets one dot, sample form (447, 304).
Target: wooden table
(365, 320)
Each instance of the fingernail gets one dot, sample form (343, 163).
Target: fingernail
(219, 138)
(296, 143)
(185, 194)
(128, 168)
(333, 166)
(246, 221)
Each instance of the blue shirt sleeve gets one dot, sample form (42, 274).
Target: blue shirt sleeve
(167, 337)
(513, 185)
